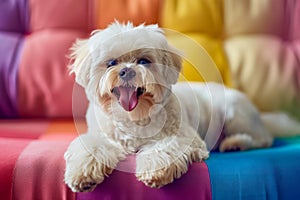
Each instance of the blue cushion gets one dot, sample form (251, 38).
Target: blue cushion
(272, 173)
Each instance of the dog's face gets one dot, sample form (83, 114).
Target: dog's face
(126, 69)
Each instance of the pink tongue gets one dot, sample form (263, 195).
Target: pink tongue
(128, 98)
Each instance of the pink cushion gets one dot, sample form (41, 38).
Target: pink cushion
(255, 17)
(295, 20)
(45, 86)
(63, 14)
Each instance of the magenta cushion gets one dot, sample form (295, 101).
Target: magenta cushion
(193, 185)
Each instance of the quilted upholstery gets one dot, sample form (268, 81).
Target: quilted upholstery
(254, 46)
(263, 51)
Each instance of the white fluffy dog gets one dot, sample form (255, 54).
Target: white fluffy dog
(128, 73)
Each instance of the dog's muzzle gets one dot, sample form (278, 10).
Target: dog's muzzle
(128, 96)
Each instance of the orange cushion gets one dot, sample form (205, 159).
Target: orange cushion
(137, 11)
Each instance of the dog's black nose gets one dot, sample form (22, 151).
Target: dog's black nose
(127, 73)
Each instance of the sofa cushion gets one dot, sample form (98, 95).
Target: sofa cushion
(10, 50)
(14, 16)
(135, 11)
(262, 47)
(193, 16)
(45, 86)
(237, 36)
(204, 58)
(57, 14)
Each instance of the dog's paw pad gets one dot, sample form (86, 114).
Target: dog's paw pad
(87, 186)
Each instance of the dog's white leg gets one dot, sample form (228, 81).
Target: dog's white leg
(243, 127)
(161, 162)
(89, 159)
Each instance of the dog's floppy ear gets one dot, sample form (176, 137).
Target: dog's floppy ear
(80, 61)
(173, 63)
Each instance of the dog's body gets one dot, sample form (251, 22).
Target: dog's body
(128, 74)
(164, 143)
(224, 117)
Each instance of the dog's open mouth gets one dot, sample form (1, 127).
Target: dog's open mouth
(128, 96)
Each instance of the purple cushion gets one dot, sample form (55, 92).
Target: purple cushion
(14, 15)
(9, 61)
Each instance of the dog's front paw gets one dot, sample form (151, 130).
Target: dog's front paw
(158, 169)
(158, 178)
(82, 183)
(85, 176)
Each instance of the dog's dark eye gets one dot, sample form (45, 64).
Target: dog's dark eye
(143, 61)
(111, 62)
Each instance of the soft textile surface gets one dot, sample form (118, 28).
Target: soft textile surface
(10, 47)
(10, 151)
(38, 172)
(263, 51)
(14, 15)
(254, 44)
(31, 159)
(32, 167)
(122, 185)
(47, 89)
(260, 174)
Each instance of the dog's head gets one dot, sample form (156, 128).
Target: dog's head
(128, 69)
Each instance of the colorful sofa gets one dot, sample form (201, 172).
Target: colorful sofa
(254, 45)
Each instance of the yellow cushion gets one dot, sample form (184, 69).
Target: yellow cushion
(193, 15)
(201, 21)
(204, 58)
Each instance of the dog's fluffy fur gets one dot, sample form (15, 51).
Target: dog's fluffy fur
(140, 113)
